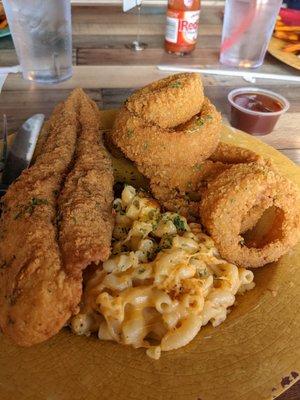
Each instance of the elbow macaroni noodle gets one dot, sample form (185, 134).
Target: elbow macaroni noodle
(163, 282)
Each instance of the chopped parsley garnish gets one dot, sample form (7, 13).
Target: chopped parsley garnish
(201, 120)
(130, 132)
(176, 84)
(179, 223)
(165, 243)
(141, 270)
(29, 208)
(154, 224)
(198, 167)
(36, 201)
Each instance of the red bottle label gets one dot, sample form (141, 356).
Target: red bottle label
(182, 27)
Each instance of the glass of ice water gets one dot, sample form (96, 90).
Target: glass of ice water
(247, 29)
(42, 35)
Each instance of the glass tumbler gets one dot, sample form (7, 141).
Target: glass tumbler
(247, 29)
(42, 35)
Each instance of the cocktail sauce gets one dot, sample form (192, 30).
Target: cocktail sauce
(256, 111)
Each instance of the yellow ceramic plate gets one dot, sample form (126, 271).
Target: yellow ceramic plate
(253, 355)
(290, 59)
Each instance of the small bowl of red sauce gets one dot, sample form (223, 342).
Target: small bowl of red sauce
(255, 110)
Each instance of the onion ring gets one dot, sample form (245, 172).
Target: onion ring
(180, 190)
(151, 145)
(196, 177)
(229, 198)
(231, 154)
(168, 102)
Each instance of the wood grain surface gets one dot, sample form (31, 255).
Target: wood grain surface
(109, 70)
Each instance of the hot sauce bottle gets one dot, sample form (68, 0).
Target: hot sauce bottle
(182, 26)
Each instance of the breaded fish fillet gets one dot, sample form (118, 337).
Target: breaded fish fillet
(38, 290)
(85, 203)
(36, 294)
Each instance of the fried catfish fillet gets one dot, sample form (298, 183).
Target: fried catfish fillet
(39, 291)
(37, 296)
(85, 203)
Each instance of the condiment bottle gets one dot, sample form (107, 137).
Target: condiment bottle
(182, 26)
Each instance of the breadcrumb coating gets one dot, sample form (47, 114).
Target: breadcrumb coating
(229, 198)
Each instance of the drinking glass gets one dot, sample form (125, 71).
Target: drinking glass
(137, 45)
(247, 29)
(42, 35)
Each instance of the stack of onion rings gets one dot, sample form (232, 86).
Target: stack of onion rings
(171, 132)
(168, 129)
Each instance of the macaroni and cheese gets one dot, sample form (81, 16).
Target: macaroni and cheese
(163, 282)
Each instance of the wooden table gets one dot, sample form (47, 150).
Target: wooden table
(109, 70)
